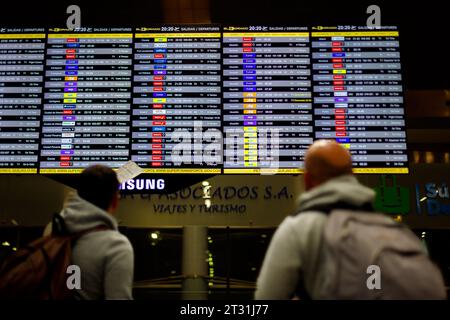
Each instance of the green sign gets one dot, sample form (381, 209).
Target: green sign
(390, 197)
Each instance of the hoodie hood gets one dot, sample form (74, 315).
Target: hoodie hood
(80, 215)
(343, 192)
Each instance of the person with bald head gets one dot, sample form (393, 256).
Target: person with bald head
(326, 159)
(293, 265)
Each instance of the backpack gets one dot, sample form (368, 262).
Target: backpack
(39, 270)
(359, 244)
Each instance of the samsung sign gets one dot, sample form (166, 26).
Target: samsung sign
(433, 198)
(143, 184)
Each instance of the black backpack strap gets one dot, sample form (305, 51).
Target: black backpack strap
(59, 227)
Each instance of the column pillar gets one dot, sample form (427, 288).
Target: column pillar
(194, 266)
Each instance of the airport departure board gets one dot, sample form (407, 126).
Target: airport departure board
(176, 99)
(21, 74)
(358, 95)
(199, 99)
(267, 112)
(87, 99)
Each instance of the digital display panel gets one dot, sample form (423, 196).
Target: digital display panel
(199, 99)
(267, 112)
(87, 99)
(21, 75)
(358, 95)
(177, 99)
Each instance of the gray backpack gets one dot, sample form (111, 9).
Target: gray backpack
(371, 256)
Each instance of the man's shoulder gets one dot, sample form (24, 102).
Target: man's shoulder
(303, 225)
(111, 238)
(306, 219)
(119, 238)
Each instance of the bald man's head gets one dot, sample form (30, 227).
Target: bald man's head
(324, 160)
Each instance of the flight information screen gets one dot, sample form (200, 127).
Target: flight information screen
(199, 99)
(358, 95)
(21, 74)
(87, 99)
(267, 113)
(176, 121)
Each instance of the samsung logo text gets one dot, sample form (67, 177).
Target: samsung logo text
(143, 184)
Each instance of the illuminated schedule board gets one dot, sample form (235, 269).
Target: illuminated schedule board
(176, 120)
(87, 99)
(267, 109)
(21, 75)
(199, 99)
(358, 95)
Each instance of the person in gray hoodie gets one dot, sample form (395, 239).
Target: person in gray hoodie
(105, 257)
(294, 261)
